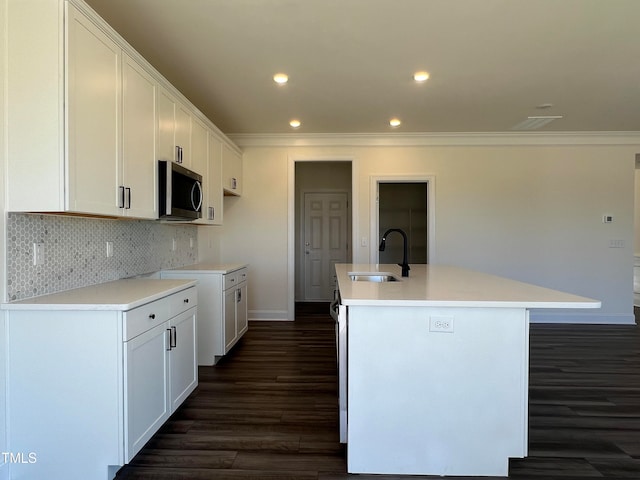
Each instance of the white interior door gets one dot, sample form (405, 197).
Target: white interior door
(325, 242)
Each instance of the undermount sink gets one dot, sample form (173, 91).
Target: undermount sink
(372, 277)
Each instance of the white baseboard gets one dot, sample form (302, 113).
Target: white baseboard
(269, 315)
(586, 318)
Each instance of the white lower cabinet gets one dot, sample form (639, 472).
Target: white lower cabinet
(183, 361)
(87, 388)
(235, 314)
(147, 383)
(222, 306)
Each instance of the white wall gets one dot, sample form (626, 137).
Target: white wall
(529, 212)
(255, 232)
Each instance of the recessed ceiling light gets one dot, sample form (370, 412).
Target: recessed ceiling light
(281, 78)
(421, 76)
(295, 123)
(395, 122)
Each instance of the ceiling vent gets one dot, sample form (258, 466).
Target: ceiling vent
(533, 123)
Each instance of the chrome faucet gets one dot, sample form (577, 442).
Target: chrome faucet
(383, 243)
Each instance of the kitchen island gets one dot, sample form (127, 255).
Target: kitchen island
(434, 368)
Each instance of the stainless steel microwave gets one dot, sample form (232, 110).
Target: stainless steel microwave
(179, 192)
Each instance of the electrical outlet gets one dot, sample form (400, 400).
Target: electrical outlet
(441, 324)
(174, 245)
(190, 242)
(109, 249)
(616, 243)
(38, 253)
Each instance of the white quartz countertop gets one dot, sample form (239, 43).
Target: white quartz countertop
(122, 295)
(449, 286)
(210, 268)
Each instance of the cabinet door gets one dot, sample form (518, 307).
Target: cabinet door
(215, 211)
(229, 318)
(241, 309)
(166, 123)
(183, 134)
(138, 182)
(93, 109)
(146, 386)
(199, 163)
(199, 148)
(182, 357)
(212, 205)
(231, 171)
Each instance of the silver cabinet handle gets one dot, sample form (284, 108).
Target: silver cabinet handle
(175, 337)
(128, 195)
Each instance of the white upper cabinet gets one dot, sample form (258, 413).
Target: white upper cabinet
(231, 170)
(63, 105)
(199, 149)
(212, 183)
(93, 111)
(138, 183)
(215, 210)
(88, 118)
(174, 130)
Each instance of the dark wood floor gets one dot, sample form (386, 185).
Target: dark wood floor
(268, 410)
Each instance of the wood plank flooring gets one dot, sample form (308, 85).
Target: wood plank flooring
(269, 410)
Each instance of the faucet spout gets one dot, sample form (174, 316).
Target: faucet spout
(405, 262)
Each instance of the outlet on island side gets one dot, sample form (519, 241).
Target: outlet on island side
(441, 324)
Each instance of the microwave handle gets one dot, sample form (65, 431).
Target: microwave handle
(196, 207)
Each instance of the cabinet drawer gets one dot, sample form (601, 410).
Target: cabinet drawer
(234, 278)
(242, 275)
(230, 280)
(182, 301)
(144, 318)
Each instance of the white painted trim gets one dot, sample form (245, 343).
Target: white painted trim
(435, 139)
(374, 180)
(291, 216)
(583, 318)
(268, 315)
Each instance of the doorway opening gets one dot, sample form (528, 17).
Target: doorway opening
(407, 203)
(323, 226)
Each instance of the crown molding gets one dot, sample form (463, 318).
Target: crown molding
(434, 139)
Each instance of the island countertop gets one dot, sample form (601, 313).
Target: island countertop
(448, 286)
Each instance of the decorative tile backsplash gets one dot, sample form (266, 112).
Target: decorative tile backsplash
(75, 251)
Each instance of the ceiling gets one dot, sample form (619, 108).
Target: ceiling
(492, 63)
